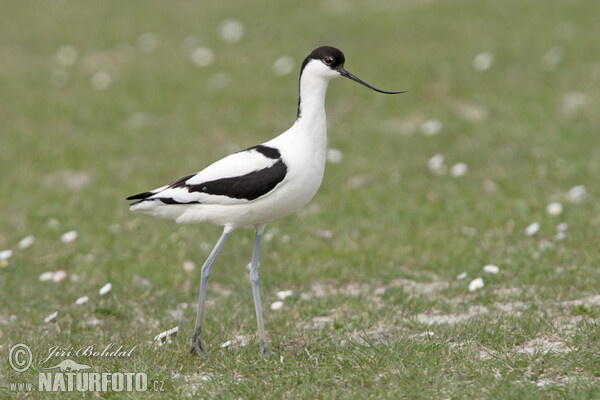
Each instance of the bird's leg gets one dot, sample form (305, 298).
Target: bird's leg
(256, 291)
(204, 274)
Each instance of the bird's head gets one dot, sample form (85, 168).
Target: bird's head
(328, 62)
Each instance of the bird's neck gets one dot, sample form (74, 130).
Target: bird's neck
(311, 103)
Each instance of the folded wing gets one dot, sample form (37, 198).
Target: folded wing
(238, 178)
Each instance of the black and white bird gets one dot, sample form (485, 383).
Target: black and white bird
(260, 184)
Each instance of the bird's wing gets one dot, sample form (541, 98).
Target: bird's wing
(235, 179)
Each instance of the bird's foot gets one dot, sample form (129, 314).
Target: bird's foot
(263, 348)
(197, 348)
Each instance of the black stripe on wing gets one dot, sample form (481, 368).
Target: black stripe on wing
(269, 152)
(249, 187)
(140, 196)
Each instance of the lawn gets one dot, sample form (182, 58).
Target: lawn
(491, 158)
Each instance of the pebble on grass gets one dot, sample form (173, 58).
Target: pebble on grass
(283, 66)
(436, 164)
(105, 289)
(431, 127)
(165, 337)
(26, 242)
(51, 317)
(491, 269)
(46, 276)
(284, 294)
(202, 56)
(476, 284)
(189, 266)
(4, 256)
(231, 30)
(148, 42)
(82, 300)
(459, 170)
(66, 55)
(483, 61)
(325, 234)
(68, 237)
(334, 156)
(554, 208)
(59, 276)
(532, 229)
(576, 194)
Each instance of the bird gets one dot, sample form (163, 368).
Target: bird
(255, 186)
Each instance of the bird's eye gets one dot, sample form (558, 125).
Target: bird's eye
(328, 60)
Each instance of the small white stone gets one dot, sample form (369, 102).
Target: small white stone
(554, 208)
(82, 300)
(431, 127)
(560, 235)
(148, 42)
(325, 234)
(284, 294)
(26, 242)
(461, 276)
(51, 317)
(5, 255)
(66, 55)
(202, 56)
(459, 170)
(59, 276)
(231, 30)
(166, 334)
(189, 266)
(283, 66)
(105, 289)
(483, 61)
(491, 269)
(436, 164)
(572, 103)
(68, 237)
(476, 284)
(334, 156)
(532, 229)
(576, 194)
(226, 344)
(277, 305)
(46, 276)
(101, 80)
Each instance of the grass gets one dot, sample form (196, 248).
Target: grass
(377, 311)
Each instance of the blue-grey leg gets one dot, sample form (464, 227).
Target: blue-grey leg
(204, 274)
(256, 291)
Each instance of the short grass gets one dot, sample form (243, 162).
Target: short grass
(376, 310)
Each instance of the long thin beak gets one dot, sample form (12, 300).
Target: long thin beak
(348, 75)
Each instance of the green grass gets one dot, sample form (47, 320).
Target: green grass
(364, 299)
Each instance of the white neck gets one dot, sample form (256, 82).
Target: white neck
(311, 106)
